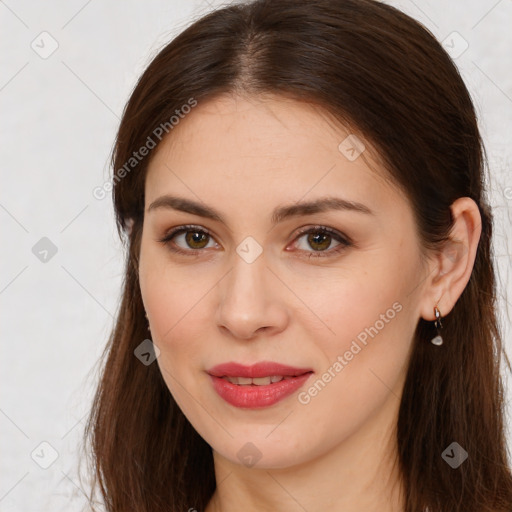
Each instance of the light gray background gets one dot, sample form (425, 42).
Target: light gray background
(59, 116)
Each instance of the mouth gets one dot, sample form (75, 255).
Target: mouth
(257, 386)
(259, 381)
(262, 369)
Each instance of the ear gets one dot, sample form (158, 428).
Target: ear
(451, 269)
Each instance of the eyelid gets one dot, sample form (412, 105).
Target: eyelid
(183, 229)
(325, 229)
(178, 230)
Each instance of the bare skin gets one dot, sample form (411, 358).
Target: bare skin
(329, 450)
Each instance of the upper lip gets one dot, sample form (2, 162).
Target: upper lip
(261, 369)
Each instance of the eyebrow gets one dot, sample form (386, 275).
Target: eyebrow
(278, 215)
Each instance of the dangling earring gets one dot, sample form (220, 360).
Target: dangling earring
(149, 328)
(437, 340)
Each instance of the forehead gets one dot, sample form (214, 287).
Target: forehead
(267, 149)
(277, 124)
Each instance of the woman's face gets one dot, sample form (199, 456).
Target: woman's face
(333, 293)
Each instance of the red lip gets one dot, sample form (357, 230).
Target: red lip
(261, 369)
(254, 396)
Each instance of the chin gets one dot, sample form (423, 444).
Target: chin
(263, 454)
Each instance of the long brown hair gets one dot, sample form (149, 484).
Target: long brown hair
(385, 75)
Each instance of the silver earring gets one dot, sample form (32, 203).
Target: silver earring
(437, 340)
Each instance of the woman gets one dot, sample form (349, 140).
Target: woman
(308, 317)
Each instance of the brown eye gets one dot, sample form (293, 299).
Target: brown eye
(320, 239)
(191, 240)
(194, 239)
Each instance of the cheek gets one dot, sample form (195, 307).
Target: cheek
(178, 323)
(349, 305)
(364, 367)
(178, 329)
(168, 294)
(179, 311)
(171, 301)
(366, 339)
(367, 304)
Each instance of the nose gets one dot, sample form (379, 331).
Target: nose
(251, 301)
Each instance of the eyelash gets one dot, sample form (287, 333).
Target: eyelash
(345, 241)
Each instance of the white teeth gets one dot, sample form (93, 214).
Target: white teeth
(260, 381)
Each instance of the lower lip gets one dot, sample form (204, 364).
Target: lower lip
(253, 397)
